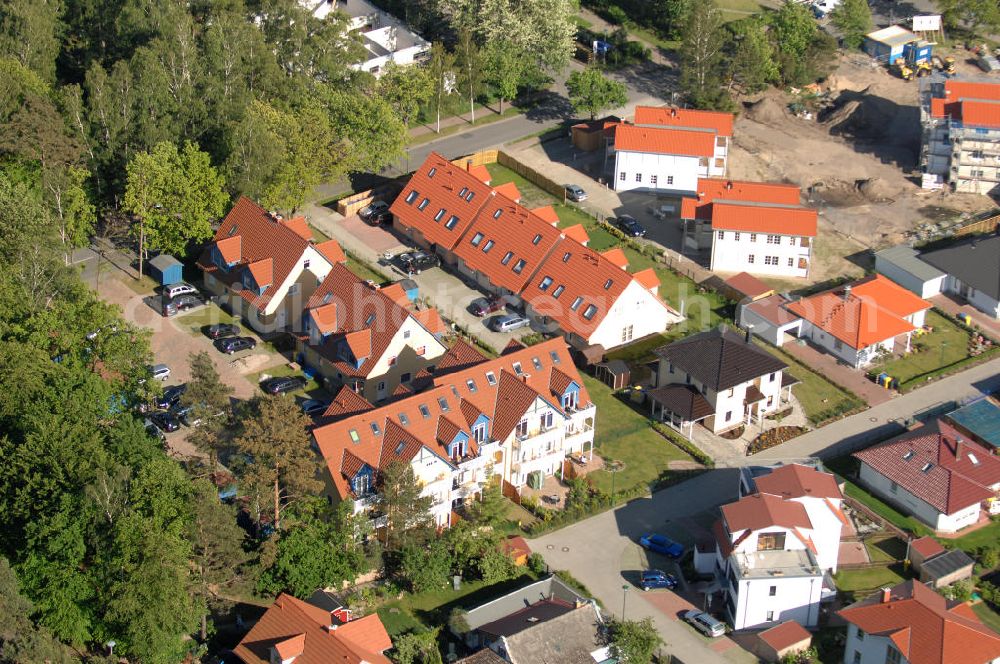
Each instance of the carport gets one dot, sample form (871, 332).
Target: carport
(680, 406)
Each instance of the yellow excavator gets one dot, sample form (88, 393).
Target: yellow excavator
(923, 68)
(945, 64)
(903, 70)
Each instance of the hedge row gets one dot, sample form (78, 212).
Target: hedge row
(942, 372)
(683, 444)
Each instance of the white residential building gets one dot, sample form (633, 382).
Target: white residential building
(775, 548)
(668, 149)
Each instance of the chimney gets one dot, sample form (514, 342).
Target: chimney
(886, 595)
(749, 333)
(847, 292)
(673, 112)
(729, 184)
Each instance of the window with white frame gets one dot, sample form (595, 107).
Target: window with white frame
(546, 421)
(627, 333)
(774, 239)
(670, 179)
(521, 430)
(750, 259)
(621, 176)
(770, 260)
(652, 180)
(638, 177)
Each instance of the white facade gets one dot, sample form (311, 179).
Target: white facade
(863, 648)
(434, 475)
(826, 530)
(635, 314)
(544, 438)
(764, 328)
(893, 493)
(651, 171)
(834, 346)
(759, 253)
(976, 298)
(925, 288)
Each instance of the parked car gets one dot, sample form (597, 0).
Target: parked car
(575, 192)
(509, 323)
(705, 623)
(415, 262)
(314, 407)
(373, 209)
(186, 415)
(283, 384)
(382, 218)
(630, 226)
(154, 430)
(160, 371)
(173, 290)
(170, 397)
(222, 330)
(187, 301)
(164, 421)
(654, 578)
(485, 306)
(988, 63)
(232, 345)
(661, 544)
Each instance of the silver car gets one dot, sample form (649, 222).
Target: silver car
(160, 371)
(509, 323)
(705, 623)
(173, 290)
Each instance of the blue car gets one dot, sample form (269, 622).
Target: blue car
(654, 578)
(661, 544)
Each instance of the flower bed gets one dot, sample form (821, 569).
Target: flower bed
(773, 438)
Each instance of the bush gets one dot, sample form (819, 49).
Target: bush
(613, 14)
(960, 590)
(536, 563)
(989, 556)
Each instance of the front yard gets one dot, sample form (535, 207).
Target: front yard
(947, 344)
(820, 399)
(625, 435)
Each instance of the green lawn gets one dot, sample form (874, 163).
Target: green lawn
(886, 550)
(843, 466)
(319, 235)
(866, 579)
(365, 272)
(432, 608)
(819, 397)
(312, 389)
(625, 435)
(194, 321)
(985, 536)
(532, 196)
(947, 344)
(989, 617)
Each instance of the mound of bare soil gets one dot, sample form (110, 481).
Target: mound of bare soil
(766, 111)
(847, 193)
(876, 190)
(866, 114)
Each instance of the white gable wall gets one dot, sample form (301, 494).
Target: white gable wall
(637, 308)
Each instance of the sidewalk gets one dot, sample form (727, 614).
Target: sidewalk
(840, 374)
(465, 119)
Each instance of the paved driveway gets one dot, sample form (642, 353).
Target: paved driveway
(601, 552)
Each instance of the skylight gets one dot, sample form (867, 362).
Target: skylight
(555, 356)
(589, 312)
(463, 192)
(489, 245)
(496, 215)
(491, 378)
(538, 238)
(370, 319)
(431, 172)
(927, 467)
(607, 284)
(517, 368)
(909, 455)
(973, 459)
(477, 238)
(566, 257)
(471, 384)
(327, 297)
(440, 213)
(450, 224)
(424, 410)
(443, 403)
(546, 282)
(537, 363)
(399, 448)
(468, 199)
(404, 420)
(576, 303)
(519, 266)
(355, 438)
(424, 203)
(558, 291)
(375, 429)
(506, 258)
(412, 196)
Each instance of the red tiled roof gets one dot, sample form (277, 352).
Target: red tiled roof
(785, 635)
(941, 470)
(577, 232)
(346, 403)
(924, 626)
(761, 511)
(581, 273)
(452, 398)
(291, 626)
(665, 141)
(648, 279)
(300, 226)
(710, 189)
(668, 116)
(516, 546)
(617, 257)
(763, 218)
(398, 294)
(262, 272)
(368, 632)
(332, 250)
(546, 213)
(481, 173)
(926, 547)
(262, 238)
(442, 193)
(373, 315)
(889, 295)
(325, 318)
(496, 245)
(772, 309)
(858, 322)
(431, 320)
(510, 190)
(748, 285)
(798, 481)
(459, 356)
(230, 248)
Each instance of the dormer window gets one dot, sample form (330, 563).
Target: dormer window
(479, 433)
(412, 196)
(570, 399)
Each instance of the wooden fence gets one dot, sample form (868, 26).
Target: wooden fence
(987, 223)
(531, 175)
(480, 158)
(349, 205)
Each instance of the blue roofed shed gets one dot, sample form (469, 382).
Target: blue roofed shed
(886, 45)
(166, 269)
(980, 421)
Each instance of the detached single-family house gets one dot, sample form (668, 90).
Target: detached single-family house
(385, 38)
(753, 227)
(860, 321)
(470, 422)
(293, 630)
(366, 337)
(972, 267)
(545, 621)
(775, 548)
(266, 267)
(719, 378)
(935, 475)
(912, 624)
(668, 149)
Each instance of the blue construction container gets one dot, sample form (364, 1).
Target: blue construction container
(166, 270)
(886, 45)
(917, 52)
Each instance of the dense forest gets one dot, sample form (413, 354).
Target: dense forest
(120, 114)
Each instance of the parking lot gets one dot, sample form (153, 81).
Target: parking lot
(438, 286)
(175, 339)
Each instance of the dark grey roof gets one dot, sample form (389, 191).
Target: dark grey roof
(905, 258)
(720, 358)
(946, 563)
(529, 616)
(551, 587)
(975, 261)
(568, 639)
(683, 401)
(163, 261)
(980, 418)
